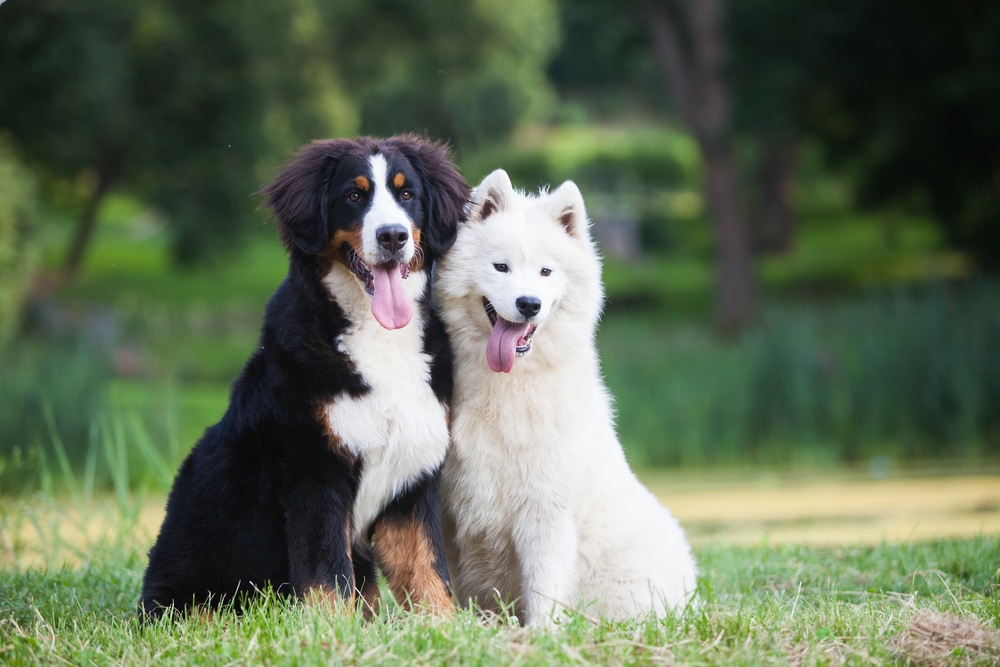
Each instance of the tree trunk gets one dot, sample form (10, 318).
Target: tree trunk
(734, 287)
(775, 172)
(86, 223)
(694, 70)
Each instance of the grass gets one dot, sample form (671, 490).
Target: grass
(760, 604)
(903, 373)
(825, 507)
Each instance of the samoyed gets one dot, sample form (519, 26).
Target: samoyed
(541, 510)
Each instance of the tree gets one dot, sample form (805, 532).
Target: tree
(902, 95)
(678, 47)
(177, 101)
(469, 72)
(60, 72)
(690, 43)
(17, 251)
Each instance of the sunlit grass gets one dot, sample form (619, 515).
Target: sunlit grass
(832, 506)
(70, 596)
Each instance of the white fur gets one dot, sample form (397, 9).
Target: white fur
(540, 504)
(411, 437)
(384, 210)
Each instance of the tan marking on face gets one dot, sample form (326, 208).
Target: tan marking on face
(399, 180)
(417, 263)
(334, 250)
(404, 552)
(362, 183)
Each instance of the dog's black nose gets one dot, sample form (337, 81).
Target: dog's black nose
(391, 237)
(528, 305)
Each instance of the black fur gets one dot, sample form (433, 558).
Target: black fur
(263, 499)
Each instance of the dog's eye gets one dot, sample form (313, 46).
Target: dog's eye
(354, 197)
(501, 267)
(406, 195)
(546, 271)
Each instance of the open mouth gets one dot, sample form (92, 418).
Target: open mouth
(391, 305)
(364, 272)
(508, 340)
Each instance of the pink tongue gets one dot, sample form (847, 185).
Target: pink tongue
(502, 346)
(390, 305)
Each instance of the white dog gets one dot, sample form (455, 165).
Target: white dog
(540, 507)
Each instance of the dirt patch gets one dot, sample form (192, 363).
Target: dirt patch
(932, 639)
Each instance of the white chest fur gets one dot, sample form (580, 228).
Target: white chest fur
(399, 428)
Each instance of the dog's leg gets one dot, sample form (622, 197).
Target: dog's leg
(409, 547)
(366, 577)
(318, 528)
(546, 544)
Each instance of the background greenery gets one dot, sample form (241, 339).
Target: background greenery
(861, 145)
(134, 267)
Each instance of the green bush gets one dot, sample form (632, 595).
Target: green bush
(908, 374)
(52, 393)
(600, 160)
(17, 251)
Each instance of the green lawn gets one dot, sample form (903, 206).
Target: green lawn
(932, 603)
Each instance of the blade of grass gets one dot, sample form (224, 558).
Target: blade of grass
(68, 476)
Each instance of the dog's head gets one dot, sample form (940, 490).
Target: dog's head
(380, 207)
(522, 264)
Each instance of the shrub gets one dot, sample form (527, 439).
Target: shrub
(17, 251)
(52, 392)
(910, 374)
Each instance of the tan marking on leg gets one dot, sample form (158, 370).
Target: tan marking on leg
(405, 554)
(370, 598)
(314, 593)
(322, 596)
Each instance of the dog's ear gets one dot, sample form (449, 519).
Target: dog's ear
(565, 205)
(298, 196)
(447, 192)
(492, 195)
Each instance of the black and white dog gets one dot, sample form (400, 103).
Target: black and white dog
(327, 462)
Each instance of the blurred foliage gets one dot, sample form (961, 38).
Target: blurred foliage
(190, 105)
(177, 101)
(172, 341)
(17, 245)
(599, 158)
(901, 94)
(468, 72)
(605, 60)
(52, 391)
(908, 373)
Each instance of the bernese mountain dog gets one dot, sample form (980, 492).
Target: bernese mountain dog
(326, 465)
